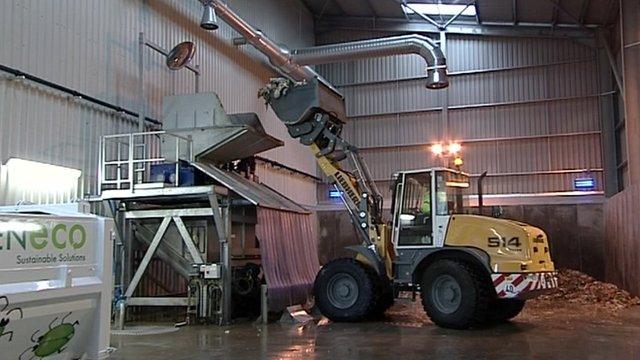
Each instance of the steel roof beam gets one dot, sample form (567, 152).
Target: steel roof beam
(456, 16)
(324, 7)
(491, 29)
(371, 8)
(554, 17)
(560, 8)
(423, 16)
(339, 5)
(584, 11)
(306, 5)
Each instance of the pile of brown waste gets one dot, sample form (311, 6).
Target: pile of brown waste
(578, 296)
(579, 288)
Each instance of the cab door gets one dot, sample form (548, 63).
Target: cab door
(413, 218)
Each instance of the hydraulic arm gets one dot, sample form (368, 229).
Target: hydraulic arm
(315, 116)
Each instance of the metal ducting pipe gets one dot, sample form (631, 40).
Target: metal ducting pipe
(396, 45)
(278, 56)
(292, 64)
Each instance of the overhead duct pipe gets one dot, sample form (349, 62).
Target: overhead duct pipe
(396, 45)
(278, 56)
(292, 63)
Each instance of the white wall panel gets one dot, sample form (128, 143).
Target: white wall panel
(520, 85)
(92, 46)
(478, 52)
(416, 128)
(472, 123)
(371, 99)
(521, 120)
(523, 156)
(377, 131)
(472, 89)
(481, 156)
(519, 106)
(580, 152)
(578, 115)
(40, 125)
(413, 95)
(413, 158)
(382, 162)
(578, 79)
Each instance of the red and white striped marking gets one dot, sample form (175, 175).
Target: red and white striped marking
(514, 285)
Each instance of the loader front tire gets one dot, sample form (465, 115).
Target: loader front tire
(385, 296)
(455, 294)
(502, 310)
(345, 290)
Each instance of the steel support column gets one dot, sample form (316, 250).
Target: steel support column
(445, 99)
(222, 222)
(608, 124)
(613, 64)
(142, 99)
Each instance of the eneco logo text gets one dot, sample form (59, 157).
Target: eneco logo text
(15, 235)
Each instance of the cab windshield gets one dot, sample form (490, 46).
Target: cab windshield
(452, 193)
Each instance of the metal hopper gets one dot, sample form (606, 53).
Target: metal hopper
(217, 137)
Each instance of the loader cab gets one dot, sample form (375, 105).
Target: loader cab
(422, 203)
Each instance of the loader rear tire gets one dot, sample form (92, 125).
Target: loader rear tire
(345, 290)
(455, 294)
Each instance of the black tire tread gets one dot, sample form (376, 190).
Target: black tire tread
(484, 290)
(376, 301)
(361, 310)
(384, 295)
(502, 310)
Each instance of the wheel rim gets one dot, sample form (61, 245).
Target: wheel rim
(342, 291)
(446, 294)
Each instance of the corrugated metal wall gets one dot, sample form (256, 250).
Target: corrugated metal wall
(283, 181)
(92, 47)
(622, 248)
(526, 110)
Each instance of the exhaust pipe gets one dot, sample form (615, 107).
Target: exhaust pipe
(480, 193)
(395, 45)
(292, 63)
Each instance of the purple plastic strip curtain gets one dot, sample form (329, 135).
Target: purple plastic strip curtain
(289, 256)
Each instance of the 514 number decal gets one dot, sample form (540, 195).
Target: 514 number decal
(511, 244)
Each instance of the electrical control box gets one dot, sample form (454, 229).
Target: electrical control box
(211, 271)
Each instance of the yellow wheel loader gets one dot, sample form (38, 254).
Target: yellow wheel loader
(469, 269)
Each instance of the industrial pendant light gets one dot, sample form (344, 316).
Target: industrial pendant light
(209, 19)
(181, 55)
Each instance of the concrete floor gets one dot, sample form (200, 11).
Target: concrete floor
(543, 331)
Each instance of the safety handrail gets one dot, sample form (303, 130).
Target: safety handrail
(136, 165)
